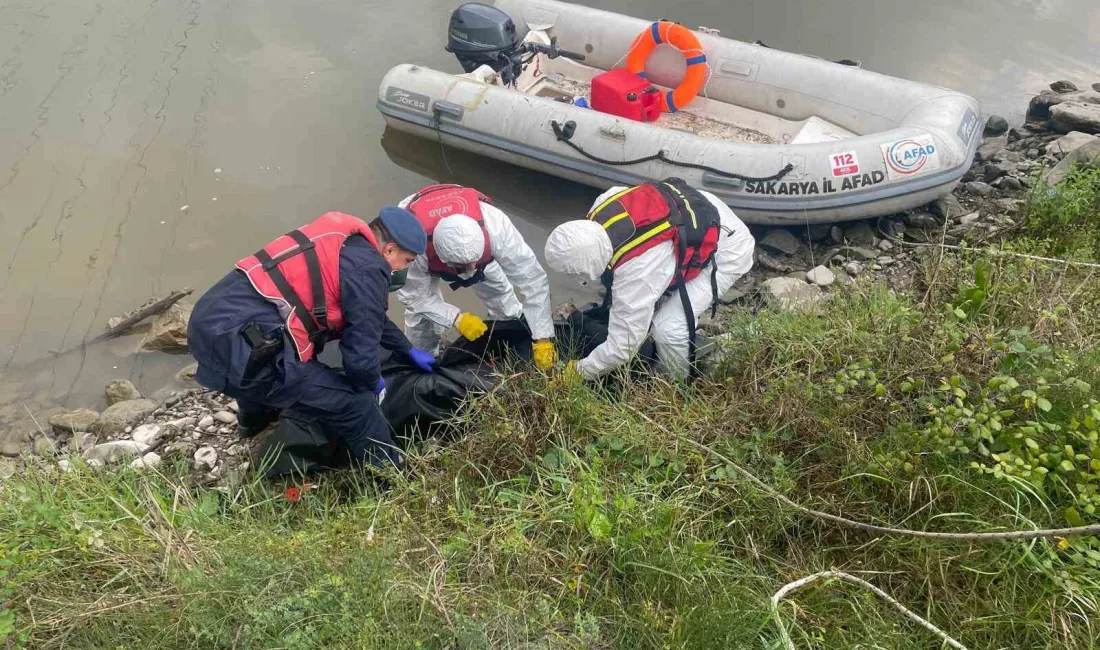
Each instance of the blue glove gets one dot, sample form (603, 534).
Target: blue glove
(422, 360)
(381, 386)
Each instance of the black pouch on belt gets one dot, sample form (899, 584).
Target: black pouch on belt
(264, 349)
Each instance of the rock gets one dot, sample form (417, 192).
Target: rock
(187, 374)
(169, 329)
(114, 452)
(923, 220)
(1039, 106)
(1063, 87)
(818, 231)
(1069, 142)
(981, 189)
(82, 442)
(76, 421)
(147, 434)
(233, 406)
(1033, 153)
(44, 446)
(946, 207)
(120, 390)
(780, 240)
(884, 261)
(1012, 157)
(206, 457)
(1076, 116)
(206, 422)
(992, 173)
(63, 465)
(225, 417)
(859, 234)
(991, 148)
(790, 294)
(1087, 155)
(120, 415)
(235, 450)
(181, 423)
(1096, 86)
(1008, 183)
(821, 276)
(15, 443)
(995, 125)
(836, 234)
(858, 253)
(768, 262)
(148, 461)
(885, 245)
(970, 219)
(853, 269)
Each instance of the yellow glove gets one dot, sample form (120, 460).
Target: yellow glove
(470, 326)
(544, 354)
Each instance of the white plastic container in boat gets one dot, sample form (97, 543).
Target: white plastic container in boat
(858, 144)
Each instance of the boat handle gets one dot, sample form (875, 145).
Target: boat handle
(710, 178)
(614, 132)
(448, 109)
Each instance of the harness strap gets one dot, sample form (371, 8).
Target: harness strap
(316, 280)
(316, 335)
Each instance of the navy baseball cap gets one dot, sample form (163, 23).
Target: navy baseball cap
(404, 228)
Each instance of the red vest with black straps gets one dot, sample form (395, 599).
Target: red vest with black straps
(300, 274)
(641, 217)
(434, 203)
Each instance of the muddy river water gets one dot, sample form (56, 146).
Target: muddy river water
(147, 145)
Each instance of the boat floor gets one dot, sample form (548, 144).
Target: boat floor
(683, 120)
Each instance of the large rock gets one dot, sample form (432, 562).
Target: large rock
(859, 234)
(147, 434)
(779, 240)
(120, 390)
(1069, 142)
(1063, 87)
(790, 294)
(946, 207)
(995, 125)
(114, 452)
(118, 416)
(77, 421)
(990, 149)
(1086, 155)
(206, 458)
(1039, 106)
(821, 276)
(169, 329)
(1075, 116)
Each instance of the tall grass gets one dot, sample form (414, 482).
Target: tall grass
(561, 516)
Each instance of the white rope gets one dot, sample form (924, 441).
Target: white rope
(791, 587)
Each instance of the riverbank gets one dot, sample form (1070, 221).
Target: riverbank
(865, 370)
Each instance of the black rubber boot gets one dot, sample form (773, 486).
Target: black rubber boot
(250, 423)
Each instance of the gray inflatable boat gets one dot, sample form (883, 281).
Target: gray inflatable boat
(782, 138)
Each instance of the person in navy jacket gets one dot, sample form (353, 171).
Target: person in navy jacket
(257, 331)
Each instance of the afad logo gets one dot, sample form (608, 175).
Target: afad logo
(909, 156)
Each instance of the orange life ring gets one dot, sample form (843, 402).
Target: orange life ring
(682, 39)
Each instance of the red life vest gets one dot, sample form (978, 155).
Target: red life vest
(300, 274)
(641, 217)
(434, 203)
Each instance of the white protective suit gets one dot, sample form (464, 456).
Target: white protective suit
(639, 305)
(428, 315)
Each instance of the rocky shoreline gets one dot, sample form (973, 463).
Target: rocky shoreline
(794, 269)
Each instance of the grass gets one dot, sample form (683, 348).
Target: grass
(563, 517)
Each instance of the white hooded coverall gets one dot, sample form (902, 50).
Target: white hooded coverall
(637, 306)
(428, 315)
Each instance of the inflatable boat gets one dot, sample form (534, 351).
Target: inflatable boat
(606, 99)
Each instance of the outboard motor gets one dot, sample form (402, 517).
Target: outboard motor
(479, 34)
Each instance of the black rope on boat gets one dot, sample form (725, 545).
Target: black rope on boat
(564, 133)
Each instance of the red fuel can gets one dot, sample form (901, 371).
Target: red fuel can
(623, 93)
